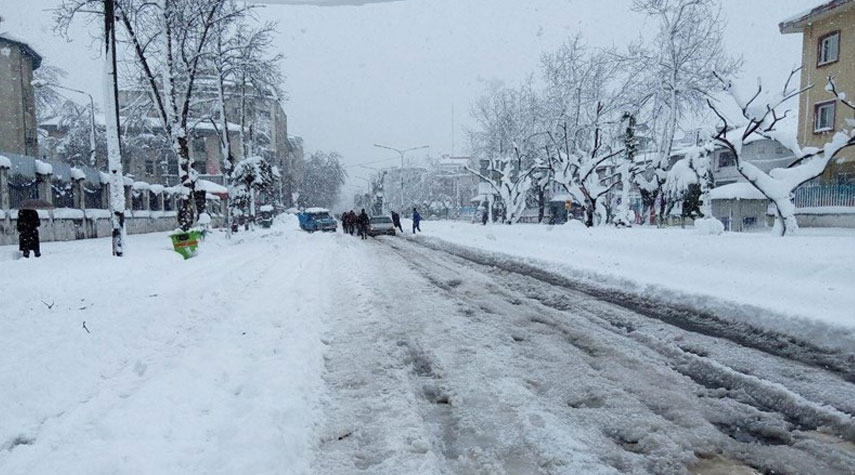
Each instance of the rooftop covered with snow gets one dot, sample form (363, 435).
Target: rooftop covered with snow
(798, 22)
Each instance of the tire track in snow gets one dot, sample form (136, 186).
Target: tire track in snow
(764, 395)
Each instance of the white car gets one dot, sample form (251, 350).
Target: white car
(381, 225)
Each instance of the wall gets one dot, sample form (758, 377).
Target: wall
(94, 224)
(17, 101)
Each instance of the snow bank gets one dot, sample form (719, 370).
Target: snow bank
(802, 277)
(709, 226)
(141, 186)
(5, 162)
(183, 367)
(737, 191)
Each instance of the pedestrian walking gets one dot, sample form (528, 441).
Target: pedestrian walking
(364, 220)
(396, 221)
(485, 216)
(417, 219)
(28, 232)
(345, 222)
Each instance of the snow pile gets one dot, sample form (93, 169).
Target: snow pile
(204, 219)
(800, 277)
(140, 186)
(5, 162)
(77, 174)
(737, 191)
(43, 168)
(210, 187)
(104, 178)
(156, 189)
(316, 210)
(266, 208)
(709, 226)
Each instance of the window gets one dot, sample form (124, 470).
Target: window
(149, 167)
(199, 146)
(780, 150)
(749, 222)
(824, 116)
(726, 159)
(829, 49)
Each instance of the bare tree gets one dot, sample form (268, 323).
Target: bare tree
(761, 114)
(680, 68)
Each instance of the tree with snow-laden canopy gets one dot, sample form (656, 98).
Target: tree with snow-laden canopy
(252, 176)
(761, 114)
(675, 75)
(170, 41)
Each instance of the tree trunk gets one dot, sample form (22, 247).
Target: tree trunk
(186, 217)
(114, 150)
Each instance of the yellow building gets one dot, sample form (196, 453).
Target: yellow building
(828, 50)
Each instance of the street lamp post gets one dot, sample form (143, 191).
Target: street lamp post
(92, 144)
(402, 153)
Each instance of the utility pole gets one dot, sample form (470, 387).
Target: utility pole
(402, 153)
(114, 150)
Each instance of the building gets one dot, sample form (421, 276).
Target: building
(18, 129)
(763, 153)
(828, 32)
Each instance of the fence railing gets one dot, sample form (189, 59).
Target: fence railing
(822, 196)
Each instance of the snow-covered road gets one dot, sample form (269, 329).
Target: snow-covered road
(283, 352)
(450, 366)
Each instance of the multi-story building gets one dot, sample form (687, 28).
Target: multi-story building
(18, 129)
(828, 50)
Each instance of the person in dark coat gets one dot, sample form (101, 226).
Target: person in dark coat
(28, 232)
(354, 222)
(363, 220)
(417, 219)
(396, 221)
(485, 216)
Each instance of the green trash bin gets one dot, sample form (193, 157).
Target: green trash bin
(186, 243)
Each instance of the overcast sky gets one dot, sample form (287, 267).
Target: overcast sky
(390, 72)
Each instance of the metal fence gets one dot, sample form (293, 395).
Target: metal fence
(20, 190)
(820, 196)
(93, 198)
(63, 194)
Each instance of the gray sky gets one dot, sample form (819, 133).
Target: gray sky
(390, 72)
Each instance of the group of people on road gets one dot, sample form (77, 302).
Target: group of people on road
(353, 223)
(358, 224)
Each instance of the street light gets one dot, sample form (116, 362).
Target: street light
(92, 145)
(401, 153)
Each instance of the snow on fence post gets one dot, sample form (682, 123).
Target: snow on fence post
(44, 174)
(77, 177)
(5, 165)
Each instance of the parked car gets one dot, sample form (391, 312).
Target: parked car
(317, 219)
(381, 225)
